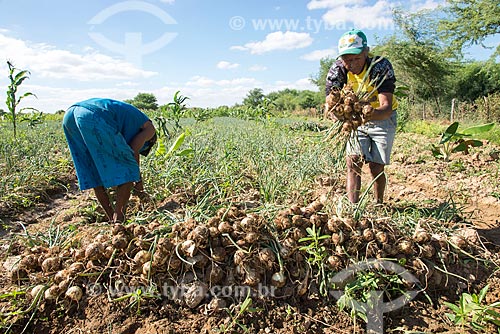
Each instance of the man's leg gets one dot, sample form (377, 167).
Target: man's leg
(377, 172)
(122, 197)
(103, 198)
(353, 186)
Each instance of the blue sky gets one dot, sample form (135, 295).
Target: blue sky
(213, 51)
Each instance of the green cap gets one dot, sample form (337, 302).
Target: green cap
(352, 42)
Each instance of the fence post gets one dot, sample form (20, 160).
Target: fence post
(452, 115)
(487, 107)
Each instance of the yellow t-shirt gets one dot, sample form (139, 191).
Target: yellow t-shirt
(359, 80)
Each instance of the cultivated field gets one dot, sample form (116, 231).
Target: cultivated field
(248, 231)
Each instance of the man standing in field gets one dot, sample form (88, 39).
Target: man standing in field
(105, 138)
(357, 67)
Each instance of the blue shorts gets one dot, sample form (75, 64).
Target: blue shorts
(100, 153)
(375, 140)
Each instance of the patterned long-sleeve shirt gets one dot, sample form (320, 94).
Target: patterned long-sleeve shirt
(381, 70)
(380, 78)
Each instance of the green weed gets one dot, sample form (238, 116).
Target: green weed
(317, 254)
(471, 311)
(137, 297)
(245, 307)
(362, 287)
(453, 141)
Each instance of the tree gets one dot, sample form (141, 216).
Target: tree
(320, 78)
(477, 79)
(470, 22)
(254, 98)
(144, 101)
(16, 78)
(418, 57)
(309, 99)
(285, 99)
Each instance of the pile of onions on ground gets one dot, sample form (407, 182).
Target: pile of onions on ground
(232, 248)
(347, 107)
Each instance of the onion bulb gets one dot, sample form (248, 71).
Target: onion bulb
(248, 223)
(267, 257)
(381, 237)
(119, 241)
(338, 238)
(421, 236)
(37, 290)
(405, 246)
(188, 247)
(51, 264)
(470, 235)
(142, 257)
(148, 268)
(251, 237)
(94, 251)
(427, 251)
(74, 293)
(278, 279)
(458, 241)
(194, 293)
(335, 262)
(225, 227)
(333, 224)
(76, 268)
(61, 276)
(52, 293)
(239, 257)
(368, 234)
(252, 277)
(350, 222)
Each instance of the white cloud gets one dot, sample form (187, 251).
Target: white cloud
(301, 84)
(53, 70)
(63, 77)
(207, 92)
(46, 61)
(238, 48)
(50, 98)
(411, 5)
(257, 68)
(168, 1)
(202, 92)
(128, 84)
(319, 54)
(378, 16)
(225, 65)
(322, 4)
(199, 81)
(278, 40)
